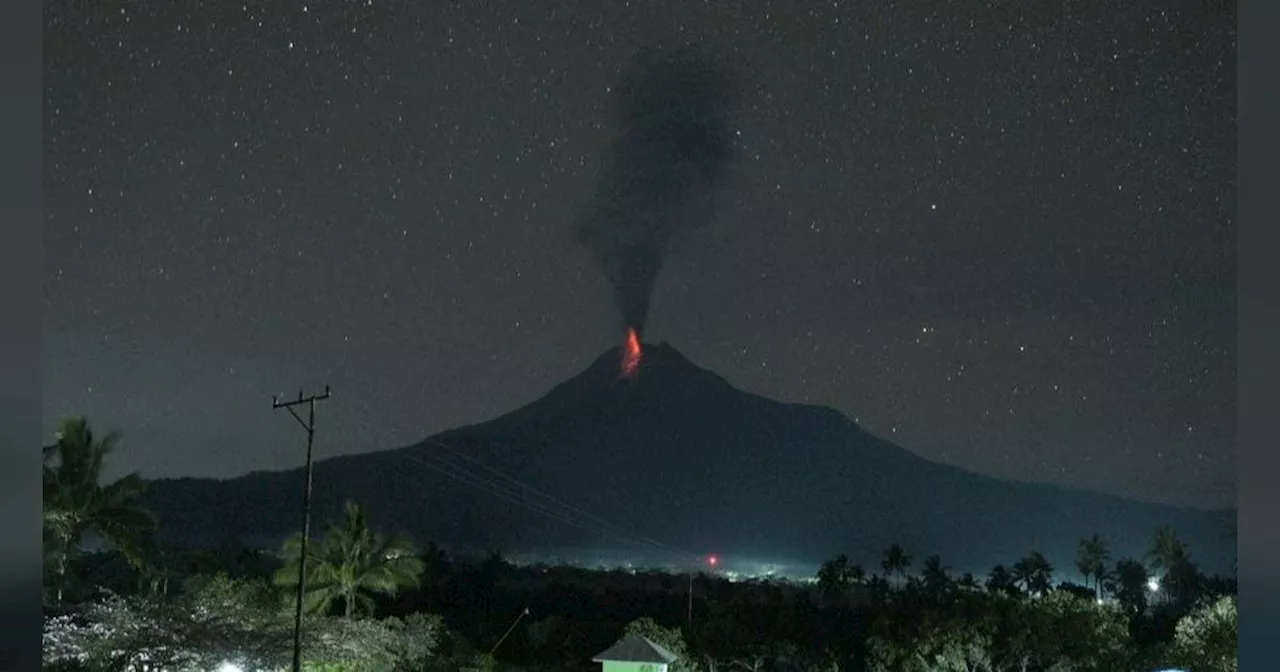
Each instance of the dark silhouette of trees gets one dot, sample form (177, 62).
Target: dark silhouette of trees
(836, 578)
(1092, 558)
(895, 563)
(1034, 574)
(76, 503)
(1001, 580)
(934, 622)
(350, 563)
(1131, 585)
(938, 584)
(967, 581)
(1166, 550)
(1179, 584)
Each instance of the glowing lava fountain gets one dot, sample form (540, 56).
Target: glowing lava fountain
(630, 354)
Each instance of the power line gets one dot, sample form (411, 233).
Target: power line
(310, 426)
(556, 500)
(500, 491)
(601, 525)
(569, 513)
(497, 489)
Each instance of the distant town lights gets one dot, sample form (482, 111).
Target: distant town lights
(228, 666)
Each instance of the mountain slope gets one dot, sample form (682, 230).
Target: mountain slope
(678, 455)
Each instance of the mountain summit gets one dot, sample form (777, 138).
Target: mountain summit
(677, 457)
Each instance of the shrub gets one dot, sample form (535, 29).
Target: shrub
(221, 619)
(1206, 639)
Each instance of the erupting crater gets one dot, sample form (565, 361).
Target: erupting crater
(631, 353)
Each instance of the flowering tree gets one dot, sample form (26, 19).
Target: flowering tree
(225, 620)
(1206, 639)
(133, 634)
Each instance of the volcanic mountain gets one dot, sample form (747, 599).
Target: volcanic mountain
(676, 455)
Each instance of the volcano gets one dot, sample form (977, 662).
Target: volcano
(673, 455)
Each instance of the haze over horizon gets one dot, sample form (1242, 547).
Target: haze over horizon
(1000, 237)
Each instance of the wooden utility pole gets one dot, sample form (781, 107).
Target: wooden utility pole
(310, 426)
(523, 613)
(691, 604)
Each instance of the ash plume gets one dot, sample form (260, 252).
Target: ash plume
(672, 146)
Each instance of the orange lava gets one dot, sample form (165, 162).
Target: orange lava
(631, 354)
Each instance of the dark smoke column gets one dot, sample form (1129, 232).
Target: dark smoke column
(672, 147)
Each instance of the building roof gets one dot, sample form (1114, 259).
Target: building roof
(633, 648)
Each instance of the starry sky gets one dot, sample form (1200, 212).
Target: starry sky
(1001, 235)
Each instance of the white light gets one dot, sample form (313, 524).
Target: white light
(228, 666)
(1153, 584)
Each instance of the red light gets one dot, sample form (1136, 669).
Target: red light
(713, 560)
(631, 354)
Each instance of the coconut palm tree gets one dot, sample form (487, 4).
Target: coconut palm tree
(1034, 573)
(1171, 565)
(857, 575)
(1092, 557)
(1000, 580)
(937, 582)
(838, 577)
(350, 564)
(833, 578)
(896, 561)
(1166, 550)
(76, 503)
(1130, 579)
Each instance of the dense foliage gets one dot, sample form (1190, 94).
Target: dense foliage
(77, 504)
(349, 565)
(378, 605)
(939, 623)
(226, 620)
(1205, 640)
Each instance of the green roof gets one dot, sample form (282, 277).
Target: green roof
(633, 648)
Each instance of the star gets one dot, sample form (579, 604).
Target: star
(375, 196)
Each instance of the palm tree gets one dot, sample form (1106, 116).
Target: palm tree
(937, 581)
(1034, 573)
(896, 561)
(1131, 585)
(1001, 581)
(76, 503)
(1166, 550)
(1092, 557)
(1182, 583)
(833, 578)
(877, 587)
(350, 563)
(837, 577)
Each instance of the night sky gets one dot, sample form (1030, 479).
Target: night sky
(1001, 235)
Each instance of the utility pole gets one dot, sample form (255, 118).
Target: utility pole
(711, 560)
(310, 426)
(691, 603)
(523, 613)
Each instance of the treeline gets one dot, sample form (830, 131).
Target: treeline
(925, 623)
(376, 602)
